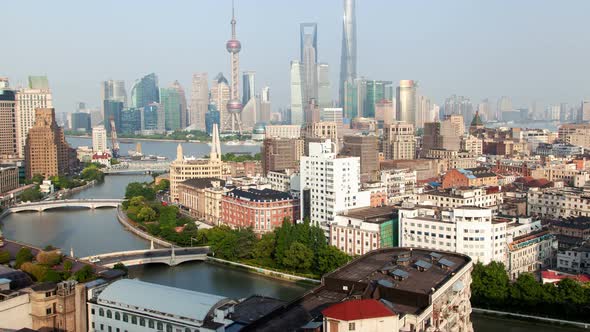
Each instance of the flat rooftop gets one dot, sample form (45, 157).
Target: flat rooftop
(372, 214)
(371, 276)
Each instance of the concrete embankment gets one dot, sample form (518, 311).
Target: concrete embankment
(125, 221)
(517, 316)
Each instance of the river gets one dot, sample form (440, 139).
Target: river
(90, 232)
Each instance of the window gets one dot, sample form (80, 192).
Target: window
(141, 321)
(101, 312)
(92, 311)
(134, 320)
(351, 326)
(168, 328)
(117, 316)
(151, 324)
(48, 311)
(102, 327)
(109, 314)
(160, 326)
(125, 317)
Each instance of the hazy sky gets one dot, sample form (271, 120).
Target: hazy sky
(526, 49)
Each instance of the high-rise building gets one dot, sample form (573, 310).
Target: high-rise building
(367, 149)
(145, 91)
(220, 97)
(355, 92)
(297, 117)
(333, 114)
(406, 102)
(130, 120)
(329, 184)
(264, 110)
(248, 114)
(112, 110)
(584, 112)
(504, 105)
(485, 110)
(113, 90)
(46, 149)
(99, 139)
(80, 121)
(199, 101)
(375, 92)
(348, 53)
(280, 154)
(27, 101)
(234, 107)
(38, 83)
(173, 104)
(8, 124)
(309, 59)
(445, 134)
(248, 86)
(153, 118)
(399, 141)
(211, 118)
(324, 86)
(385, 111)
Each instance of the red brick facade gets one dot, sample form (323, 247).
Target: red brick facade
(263, 210)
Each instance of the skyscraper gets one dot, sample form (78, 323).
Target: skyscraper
(199, 101)
(309, 58)
(183, 110)
(145, 91)
(8, 124)
(324, 87)
(248, 86)
(504, 105)
(264, 112)
(234, 106)
(348, 54)
(406, 102)
(80, 121)
(113, 90)
(296, 93)
(170, 101)
(130, 120)
(112, 109)
(46, 149)
(27, 100)
(220, 97)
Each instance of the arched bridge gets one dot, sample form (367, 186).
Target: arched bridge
(82, 203)
(173, 256)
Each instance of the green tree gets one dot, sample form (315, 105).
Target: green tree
(167, 217)
(4, 257)
(37, 178)
(31, 195)
(68, 265)
(146, 214)
(263, 250)
(526, 291)
(298, 257)
(245, 243)
(38, 272)
(92, 172)
(329, 259)
(84, 274)
(22, 256)
(49, 258)
(490, 285)
(140, 189)
(120, 266)
(163, 185)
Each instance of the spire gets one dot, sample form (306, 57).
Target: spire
(476, 122)
(215, 145)
(179, 155)
(233, 21)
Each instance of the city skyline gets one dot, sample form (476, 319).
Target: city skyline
(488, 59)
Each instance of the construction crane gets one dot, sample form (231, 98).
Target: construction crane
(114, 142)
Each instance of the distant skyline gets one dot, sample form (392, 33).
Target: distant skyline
(528, 50)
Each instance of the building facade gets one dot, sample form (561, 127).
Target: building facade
(8, 178)
(27, 101)
(199, 101)
(399, 141)
(367, 149)
(9, 136)
(280, 154)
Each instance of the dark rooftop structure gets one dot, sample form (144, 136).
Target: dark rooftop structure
(202, 183)
(251, 309)
(377, 215)
(390, 275)
(264, 195)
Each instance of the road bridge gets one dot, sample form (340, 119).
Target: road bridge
(138, 167)
(171, 256)
(65, 203)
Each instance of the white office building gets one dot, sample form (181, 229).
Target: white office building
(99, 139)
(132, 305)
(329, 184)
(27, 101)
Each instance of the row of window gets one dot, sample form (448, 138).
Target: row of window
(135, 320)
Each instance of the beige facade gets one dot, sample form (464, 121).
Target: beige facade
(322, 130)
(399, 141)
(196, 195)
(472, 145)
(54, 306)
(185, 168)
(46, 151)
(220, 97)
(8, 125)
(558, 202)
(366, 148)
(567, 173)
(27, 102)
(457, 197)
(576, 134)
(282, 131)
(530, 253)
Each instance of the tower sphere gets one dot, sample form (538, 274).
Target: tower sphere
(234, 106)
(233, 46)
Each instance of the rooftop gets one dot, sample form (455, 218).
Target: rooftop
(161, 299)
(258, 195)
(202, 183)
(372, 214)
(357, 309)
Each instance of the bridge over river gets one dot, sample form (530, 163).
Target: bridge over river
(171, 256)
(63, 203)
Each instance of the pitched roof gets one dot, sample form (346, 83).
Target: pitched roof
(357, 309)
(476, 120)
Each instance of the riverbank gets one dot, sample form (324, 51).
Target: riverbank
(264, 271)
(130, 225)
(522, 317)
(140, 139)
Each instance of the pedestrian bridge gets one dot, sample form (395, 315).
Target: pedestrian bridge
(171, 256)
(65, 203)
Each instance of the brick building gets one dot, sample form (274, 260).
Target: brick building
(263, 210)
(280, 154)
(469, 177)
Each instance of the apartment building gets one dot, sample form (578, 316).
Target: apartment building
(191, 195)
(400, 184)
(558, 202)
(490, 197)
(575, 260)
(399, 141)
(568, 173)
(469, 177)
(282, 131)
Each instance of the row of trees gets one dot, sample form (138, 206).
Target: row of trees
(492, 289)
(47, 265)
(240, 157)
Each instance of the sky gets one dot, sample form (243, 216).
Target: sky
(526, 49)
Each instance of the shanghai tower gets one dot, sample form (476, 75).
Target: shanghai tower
(348, 55)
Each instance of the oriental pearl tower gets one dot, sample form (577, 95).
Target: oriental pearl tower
(233, 122)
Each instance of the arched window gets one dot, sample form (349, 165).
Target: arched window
(125, 317)
(109, 314)
(160, 326)
(101, 312)
(187, 330)
(117, 315)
